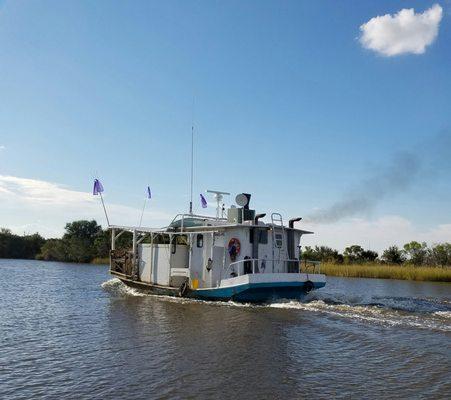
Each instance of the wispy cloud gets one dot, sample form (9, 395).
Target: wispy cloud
(2, 147)
(35, 205)
(39, 192)
(402, 33)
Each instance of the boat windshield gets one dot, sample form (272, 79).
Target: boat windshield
(187, 222)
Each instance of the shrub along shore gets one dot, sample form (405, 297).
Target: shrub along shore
(87, 242)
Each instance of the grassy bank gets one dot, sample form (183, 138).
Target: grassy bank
(101, 260)
(406, 272)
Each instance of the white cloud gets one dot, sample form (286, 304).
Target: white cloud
(402, 33)
(2, 147)
(31, 205)
(377, 234)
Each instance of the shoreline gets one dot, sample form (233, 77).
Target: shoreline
(377, 271)
(101, 261)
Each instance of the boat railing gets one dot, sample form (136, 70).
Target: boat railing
(310, 266)
(121, 262)
(258, 265)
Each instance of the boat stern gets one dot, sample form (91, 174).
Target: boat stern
(260, 288)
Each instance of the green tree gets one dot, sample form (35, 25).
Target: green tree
(416, 252)
(309, 254)
(369, 256)
(102, 244)
(15, 246)
(393, 255)
(79, 240)
(353, 253)
(79, 250)
(86, 230)
(440, 254)
(321, 253)
(53, 250)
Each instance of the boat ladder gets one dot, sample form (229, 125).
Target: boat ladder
(278, 236)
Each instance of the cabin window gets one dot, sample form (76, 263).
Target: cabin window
(262, 236)
(200, 240)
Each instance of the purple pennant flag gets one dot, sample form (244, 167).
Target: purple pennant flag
(98, 188)
(203, 201)
(149, 193)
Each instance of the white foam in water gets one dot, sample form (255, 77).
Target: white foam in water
(115, 286)
(443, 314)
(373, 314)
(440, 320)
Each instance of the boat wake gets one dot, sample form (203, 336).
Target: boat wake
(115, 287)
(375, 313)
(422, 313)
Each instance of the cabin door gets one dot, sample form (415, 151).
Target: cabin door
(197, 261)
(279, 250)
(217, 264)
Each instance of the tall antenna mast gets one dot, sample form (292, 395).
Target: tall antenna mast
(192, 170)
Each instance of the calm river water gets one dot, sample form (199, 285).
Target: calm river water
(71, 331)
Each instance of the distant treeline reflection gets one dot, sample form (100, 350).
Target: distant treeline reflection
(86, 241)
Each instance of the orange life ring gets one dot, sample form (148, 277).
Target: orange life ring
(234, 248)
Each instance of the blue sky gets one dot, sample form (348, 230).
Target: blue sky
(287, 104)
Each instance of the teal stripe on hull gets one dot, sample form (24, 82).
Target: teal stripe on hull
(256, 292)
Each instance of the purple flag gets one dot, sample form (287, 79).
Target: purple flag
(203, 201)
(98, 188)
(149, 193)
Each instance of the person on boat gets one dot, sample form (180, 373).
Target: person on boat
(263, 266)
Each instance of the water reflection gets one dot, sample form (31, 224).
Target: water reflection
(71, 331)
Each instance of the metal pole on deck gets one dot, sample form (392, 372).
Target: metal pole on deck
(104, 209)
(192, 170)
(134, 252)
(142, 212)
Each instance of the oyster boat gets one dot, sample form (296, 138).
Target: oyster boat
(238, 257)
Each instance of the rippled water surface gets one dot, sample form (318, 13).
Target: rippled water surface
(71, 331)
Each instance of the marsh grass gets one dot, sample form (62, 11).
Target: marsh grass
(383, 271)
(101, 260)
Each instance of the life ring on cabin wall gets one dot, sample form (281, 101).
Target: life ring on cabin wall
(234, 248)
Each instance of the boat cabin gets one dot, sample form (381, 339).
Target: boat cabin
(201, 251)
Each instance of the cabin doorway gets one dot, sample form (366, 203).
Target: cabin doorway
(217, 265)
(197, 260)
(278, 249)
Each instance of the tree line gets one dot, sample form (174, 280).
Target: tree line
(82, 242)
(413, 253)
